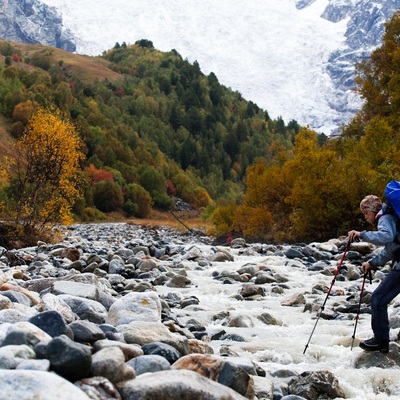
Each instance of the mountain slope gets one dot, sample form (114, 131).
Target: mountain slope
(294, 58)
(262, 49)
(146, 118)
(88, 68)
(30, 21)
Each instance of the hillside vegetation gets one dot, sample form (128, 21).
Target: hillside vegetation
(154, 128)
(153, 125)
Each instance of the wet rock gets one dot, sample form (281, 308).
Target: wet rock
(178, 281)
(220, 256)
(322, 255)
(295, 300)
(250, 289)
(241, 321)
(218, 370)
(232, 275)
(264, 277)
(193, 253)
(353, 273)
(189, 302)
(315, 385)
(379, 360)
(269, 319)
(293, 252)
(171, 354)
(238, 243)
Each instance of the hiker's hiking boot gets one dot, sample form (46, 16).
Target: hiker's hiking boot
(373, 345)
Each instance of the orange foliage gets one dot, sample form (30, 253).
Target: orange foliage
(97, 175)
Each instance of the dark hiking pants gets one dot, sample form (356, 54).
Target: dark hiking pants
(388, 289)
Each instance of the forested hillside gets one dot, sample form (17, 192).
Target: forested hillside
(152, 124)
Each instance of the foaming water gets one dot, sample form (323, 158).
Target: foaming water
(281, 346)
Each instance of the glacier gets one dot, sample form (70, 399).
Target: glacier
(276, 53)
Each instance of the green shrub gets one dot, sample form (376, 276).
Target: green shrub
(130, 208)
(163, 201)
(137, 196)
(92, 214)
(152, 180)
(107, 196)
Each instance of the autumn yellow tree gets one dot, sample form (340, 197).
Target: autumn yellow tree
(44, 171)
(302, 199)
(316, 192)
(264, 212)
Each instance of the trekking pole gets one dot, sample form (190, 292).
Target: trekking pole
(181, 222)
(329, 291)
(359, 305)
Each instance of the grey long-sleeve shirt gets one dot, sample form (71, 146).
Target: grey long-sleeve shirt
(383, 236)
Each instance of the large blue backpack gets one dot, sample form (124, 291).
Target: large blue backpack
(392, 194)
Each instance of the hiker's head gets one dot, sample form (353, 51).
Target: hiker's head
(370, 206)
(371, 203)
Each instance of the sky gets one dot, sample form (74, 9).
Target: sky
(272, 53)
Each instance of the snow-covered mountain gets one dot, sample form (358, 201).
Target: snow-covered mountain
(294, 58)
(29, 21)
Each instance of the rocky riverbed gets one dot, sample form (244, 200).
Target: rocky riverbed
(118, 311)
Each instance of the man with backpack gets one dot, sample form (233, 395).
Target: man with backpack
(382, 217)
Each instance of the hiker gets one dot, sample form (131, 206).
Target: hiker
(375, 212)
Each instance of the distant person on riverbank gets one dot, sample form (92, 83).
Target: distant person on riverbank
(376, 213)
